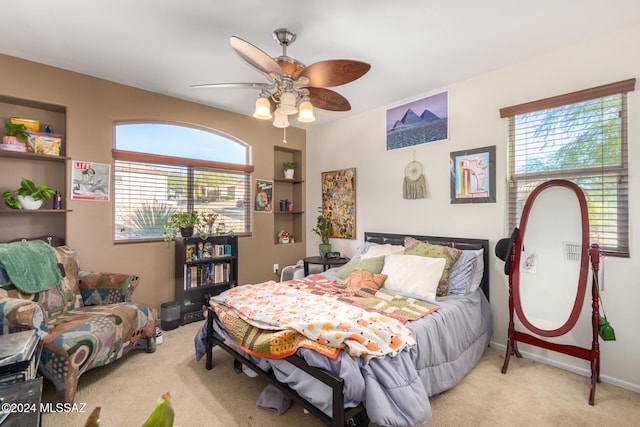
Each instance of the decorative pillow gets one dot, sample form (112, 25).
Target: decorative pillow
(477, 272)
(462, 272)
(450, 255)
(362, 249)
(365, 279)
(372, 265)
(413, 274)
(383, 250)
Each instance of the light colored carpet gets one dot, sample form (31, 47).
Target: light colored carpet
(530, 394)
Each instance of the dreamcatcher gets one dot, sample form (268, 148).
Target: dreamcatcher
(415, 184)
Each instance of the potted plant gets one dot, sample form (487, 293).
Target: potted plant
(28, 195)
(289, 169)
(322, 228)
(16, 136)
(184, 222)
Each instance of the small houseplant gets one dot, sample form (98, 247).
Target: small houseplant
(289, 169)
(28, 195)
(322, 228)
(15, 134)
(184, 222)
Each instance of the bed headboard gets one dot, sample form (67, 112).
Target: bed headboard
(455, 242)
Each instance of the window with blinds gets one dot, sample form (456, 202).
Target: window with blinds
(581, 137)
(149, 186)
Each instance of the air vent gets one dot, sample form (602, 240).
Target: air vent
(572, 251)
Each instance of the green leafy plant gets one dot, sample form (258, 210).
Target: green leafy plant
(181, 220)
(322, 228)
(27, 188)
(18, 130)
(149, 219)
(289, 165)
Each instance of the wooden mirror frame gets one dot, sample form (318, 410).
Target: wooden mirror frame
(591, 354)
(584, 260)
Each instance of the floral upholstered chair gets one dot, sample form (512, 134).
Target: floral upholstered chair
(86, 321)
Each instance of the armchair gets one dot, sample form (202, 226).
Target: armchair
(86, 321)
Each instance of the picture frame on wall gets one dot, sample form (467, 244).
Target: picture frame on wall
(473, 175)
(339, 202)
(263, 200)
(418, 122)
(90, 181)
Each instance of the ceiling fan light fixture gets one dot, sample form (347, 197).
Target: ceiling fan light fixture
(280, 120)
(263, 109)
(306, 112)
(288, 103)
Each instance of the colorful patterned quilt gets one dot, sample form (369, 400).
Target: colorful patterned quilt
(273, 320)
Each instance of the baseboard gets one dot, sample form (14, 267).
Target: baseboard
(576, 370)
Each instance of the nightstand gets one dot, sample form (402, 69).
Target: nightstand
(324, 262)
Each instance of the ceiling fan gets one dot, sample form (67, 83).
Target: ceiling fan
(293, 86)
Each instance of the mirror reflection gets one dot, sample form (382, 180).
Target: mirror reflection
(550, 261)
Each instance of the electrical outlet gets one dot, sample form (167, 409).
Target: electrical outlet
(276, 268)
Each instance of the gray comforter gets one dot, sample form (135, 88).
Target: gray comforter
(395, 390)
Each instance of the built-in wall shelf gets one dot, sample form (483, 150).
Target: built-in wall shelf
(39, 168)
(292, 190)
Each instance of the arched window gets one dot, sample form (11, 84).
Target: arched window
(161, 169)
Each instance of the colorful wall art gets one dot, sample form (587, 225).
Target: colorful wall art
(339, 202)
(473, 175)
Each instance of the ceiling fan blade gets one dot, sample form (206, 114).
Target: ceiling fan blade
(334, 72)
(256, 57)
(326, 99)
(234, 85)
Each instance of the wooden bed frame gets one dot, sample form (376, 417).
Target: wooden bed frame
(341, 416)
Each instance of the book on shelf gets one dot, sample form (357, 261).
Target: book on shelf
(187, 277)
(207, 250)
(190, 252)
(193, 276)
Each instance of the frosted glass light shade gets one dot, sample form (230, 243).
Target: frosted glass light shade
(263, 109)
(288, 103)
(306, 112)
(281, 120)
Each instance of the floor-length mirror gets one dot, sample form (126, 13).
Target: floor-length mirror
(550, 271)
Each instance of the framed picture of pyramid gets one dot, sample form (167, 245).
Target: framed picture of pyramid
(418, 122)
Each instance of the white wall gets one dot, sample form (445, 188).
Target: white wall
(474, 122)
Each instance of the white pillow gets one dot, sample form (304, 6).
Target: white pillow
(383, 250)
(413, 274)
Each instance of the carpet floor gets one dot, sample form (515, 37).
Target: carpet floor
(530, 394)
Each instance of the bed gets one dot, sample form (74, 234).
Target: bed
(389, 390)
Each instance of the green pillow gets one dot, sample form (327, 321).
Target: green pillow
(416, 247)
(372, 265)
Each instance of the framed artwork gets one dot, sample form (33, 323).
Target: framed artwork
(90, 181)
(263, 200)
(339, 202)
(418, 122)
(473, 175)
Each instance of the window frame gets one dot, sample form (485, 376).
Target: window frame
(189, 163)
(510, 113)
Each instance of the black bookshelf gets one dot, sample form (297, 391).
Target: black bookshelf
(204, 268)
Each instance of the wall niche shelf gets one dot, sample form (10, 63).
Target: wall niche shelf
(39, 168)
(292, 190)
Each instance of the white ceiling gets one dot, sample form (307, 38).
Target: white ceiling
(413, 46)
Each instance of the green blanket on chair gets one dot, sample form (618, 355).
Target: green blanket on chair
(31, 265)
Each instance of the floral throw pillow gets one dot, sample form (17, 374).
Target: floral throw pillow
(416, 247)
